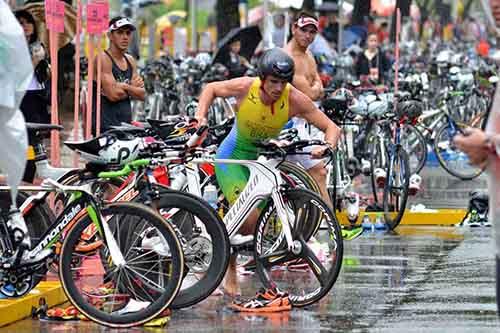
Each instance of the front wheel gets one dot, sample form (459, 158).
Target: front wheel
(310, 269)
(396, 188)
(130, 291)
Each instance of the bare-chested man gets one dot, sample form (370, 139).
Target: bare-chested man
(307, 80)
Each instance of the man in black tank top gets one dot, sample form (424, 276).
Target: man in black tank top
(119, 79)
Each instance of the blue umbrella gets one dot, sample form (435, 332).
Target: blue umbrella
(349, 37)
(359, 30)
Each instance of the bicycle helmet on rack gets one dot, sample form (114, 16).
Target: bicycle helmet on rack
(336, 106)
(203, 60)
(277, 63)
(108, 149)
(411, 109)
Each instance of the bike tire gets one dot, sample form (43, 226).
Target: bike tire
(441, 137)
(396, 164)
(220, 244)
(417, 156)
(376, 162)
(299, 173)
(294, 198)
(159, 303)
(306, 181)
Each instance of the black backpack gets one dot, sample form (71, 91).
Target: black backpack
(478, 202)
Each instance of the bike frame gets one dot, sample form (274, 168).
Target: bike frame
(82, 203)
(265, 181)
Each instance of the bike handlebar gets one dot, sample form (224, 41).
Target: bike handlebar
(126, 170)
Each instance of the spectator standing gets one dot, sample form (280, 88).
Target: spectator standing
(372, 64)
(120, 81)
(34, 105)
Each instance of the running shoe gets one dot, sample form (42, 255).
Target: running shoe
(62, 314)
(486, 223)
(270, 300)
(351, 233)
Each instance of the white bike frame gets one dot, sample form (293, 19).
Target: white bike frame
(265, 181)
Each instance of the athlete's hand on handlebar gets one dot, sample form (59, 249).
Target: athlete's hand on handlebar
(202, 121)
(321, 151)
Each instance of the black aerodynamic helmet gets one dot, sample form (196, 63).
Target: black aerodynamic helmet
(277, 63)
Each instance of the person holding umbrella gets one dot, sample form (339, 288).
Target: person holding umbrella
(236, 49)
(236, 64)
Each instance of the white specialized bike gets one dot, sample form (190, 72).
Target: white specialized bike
(287, 256)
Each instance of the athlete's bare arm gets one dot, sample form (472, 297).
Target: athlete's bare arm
(136, 87)
(238, 88)
(113, 90)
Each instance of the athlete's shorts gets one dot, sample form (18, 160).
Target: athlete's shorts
(232, 178)
(305, 132)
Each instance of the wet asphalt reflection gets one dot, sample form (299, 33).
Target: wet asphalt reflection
(420, 279)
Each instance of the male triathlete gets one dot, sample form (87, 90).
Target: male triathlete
(264, 106)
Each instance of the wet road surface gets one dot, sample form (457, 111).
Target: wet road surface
(420, 279)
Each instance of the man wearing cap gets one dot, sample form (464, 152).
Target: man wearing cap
(120, 81)
(306, 77)
(307, 80)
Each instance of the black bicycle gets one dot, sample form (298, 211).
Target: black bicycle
(103, 274)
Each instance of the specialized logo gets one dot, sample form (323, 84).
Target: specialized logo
(241, 201)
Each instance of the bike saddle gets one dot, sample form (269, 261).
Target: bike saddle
(92, 146)
(35, 127)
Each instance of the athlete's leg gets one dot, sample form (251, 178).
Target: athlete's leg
(318, 173)
(232, 179)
